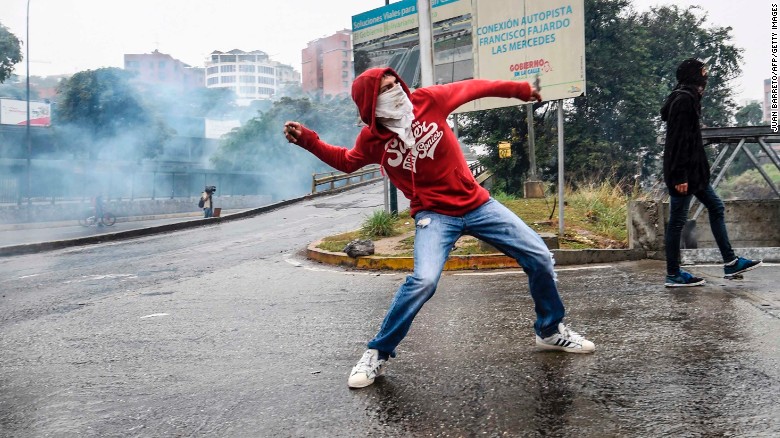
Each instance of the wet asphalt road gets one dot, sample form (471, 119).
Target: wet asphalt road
(227, 330)
(12, 235)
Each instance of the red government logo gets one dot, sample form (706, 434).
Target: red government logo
(533, 67)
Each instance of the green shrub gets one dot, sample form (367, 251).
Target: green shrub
(379, 224)
(604, 204)
(750, 184)
(502, 196)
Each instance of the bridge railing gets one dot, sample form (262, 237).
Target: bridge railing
(477, 168)
(335, 180)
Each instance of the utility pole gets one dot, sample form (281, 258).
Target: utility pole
(27, 131)
(561, 180)
(533, 188)
(531, 140)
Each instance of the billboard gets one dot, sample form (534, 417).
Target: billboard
(539, 41)
(525, 40)
(389, 37)
(14, 112)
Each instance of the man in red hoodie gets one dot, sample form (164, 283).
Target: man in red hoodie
(407, 133)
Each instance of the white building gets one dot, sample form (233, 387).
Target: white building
(251, 75)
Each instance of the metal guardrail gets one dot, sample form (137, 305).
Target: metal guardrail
(477, 168)
(61, 180)
(336, 180)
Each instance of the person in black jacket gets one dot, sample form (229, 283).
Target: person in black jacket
(687, 174)
(207, 201)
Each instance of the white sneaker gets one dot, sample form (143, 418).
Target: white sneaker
(566, 340)
(368, 368)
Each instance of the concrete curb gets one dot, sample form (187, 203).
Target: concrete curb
(769, 254)
(563, 257)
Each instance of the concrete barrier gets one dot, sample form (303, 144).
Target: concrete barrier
(73, 210)
(753, 227)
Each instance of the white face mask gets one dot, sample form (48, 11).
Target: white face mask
(394, 111)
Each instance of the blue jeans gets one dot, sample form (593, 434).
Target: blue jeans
(678, 215)
(436, 235)
(208, 212)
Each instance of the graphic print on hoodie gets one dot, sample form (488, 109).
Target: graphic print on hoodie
(434, 174)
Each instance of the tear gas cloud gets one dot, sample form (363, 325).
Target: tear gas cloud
(164, 153)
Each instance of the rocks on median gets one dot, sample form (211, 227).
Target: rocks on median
(359, 247)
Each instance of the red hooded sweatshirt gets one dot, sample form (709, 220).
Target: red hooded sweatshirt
(434, 174)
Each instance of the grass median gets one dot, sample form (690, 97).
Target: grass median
(594, 218)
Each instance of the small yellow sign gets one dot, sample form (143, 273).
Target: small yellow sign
(504, 149)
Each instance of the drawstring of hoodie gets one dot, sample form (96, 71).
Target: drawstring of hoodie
(388, 115)
(384, 173)
(394, 111)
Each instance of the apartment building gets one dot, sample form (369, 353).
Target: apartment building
(327, 64)
(161, 68)
(251, 75)
(767, 99)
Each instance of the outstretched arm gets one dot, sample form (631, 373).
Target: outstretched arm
(338, 157)
(451, 96)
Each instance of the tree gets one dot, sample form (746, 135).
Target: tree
(675, 34)
(101, 115)
(10, 53)
(206, 102)
(362, 62)
(612, 131)
(14, 90)
(609, 130)
(502, 125)
(291, 90)
(749, 115)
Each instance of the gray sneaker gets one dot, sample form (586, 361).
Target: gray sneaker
(368, 368)
(566, 340)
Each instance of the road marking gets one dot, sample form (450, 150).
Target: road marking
(520, 272)
(102, 277)
(289, 259)
(28, 276)
(154, 315)
(720, 265)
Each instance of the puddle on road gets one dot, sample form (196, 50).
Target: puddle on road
(83, 278)
(154, 294)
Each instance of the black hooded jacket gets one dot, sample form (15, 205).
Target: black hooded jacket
(685, 160)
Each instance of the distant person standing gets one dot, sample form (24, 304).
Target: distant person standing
(206, 201)
(687, 174)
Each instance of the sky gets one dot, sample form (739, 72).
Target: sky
(67, 36)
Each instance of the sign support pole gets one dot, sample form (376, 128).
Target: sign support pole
(560, 169)
(426, 42)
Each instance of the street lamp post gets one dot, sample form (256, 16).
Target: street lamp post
(29, 140)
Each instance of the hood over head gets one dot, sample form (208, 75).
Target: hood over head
(691, 77)
(365, 91)
(691, 72)
(679, 90)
